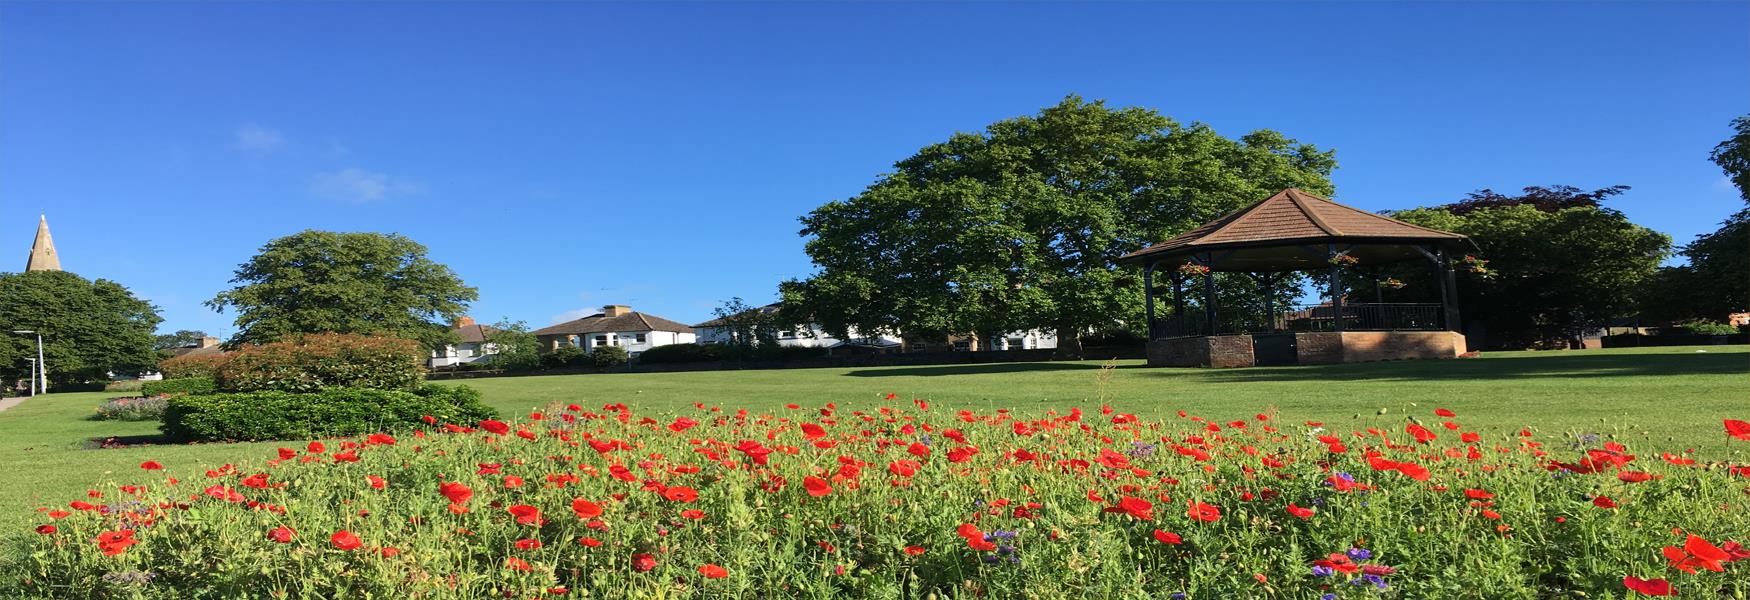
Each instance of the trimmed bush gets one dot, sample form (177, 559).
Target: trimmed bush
(1706, 328)
(200, 365)
(324, 360)
(131, 409)
(178, 387)
(279, 415)
(562, 357)
(607, 356)
(679, 353)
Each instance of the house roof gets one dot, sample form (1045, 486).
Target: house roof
(195, 351)
(599, 323)
(473, 333)
(719, 322)
(1290, 217)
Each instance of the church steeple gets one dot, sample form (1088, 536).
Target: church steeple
(42, 253)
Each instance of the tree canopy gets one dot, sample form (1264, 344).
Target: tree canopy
(1562, 262)
(89, 328)
(1713, 285)
(1019, 226)
(323, 281)
(183, 338)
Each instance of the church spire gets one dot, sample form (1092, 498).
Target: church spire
(42, 253)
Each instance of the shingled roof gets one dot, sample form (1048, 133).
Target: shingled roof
(600, 323)
(473, 333)
(1293, 217)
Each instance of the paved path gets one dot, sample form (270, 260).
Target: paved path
(11, 402)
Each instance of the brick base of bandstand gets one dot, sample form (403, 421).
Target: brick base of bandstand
(1318, 348)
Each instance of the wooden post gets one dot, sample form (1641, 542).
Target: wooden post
(1448, 290)
(1209, 295)
(1336, 289)
(1179, 302)
(1148, 300)
(1269, 303)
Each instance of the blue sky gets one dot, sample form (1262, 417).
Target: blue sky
(562, 156)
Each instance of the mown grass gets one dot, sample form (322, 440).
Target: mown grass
(1675, 397)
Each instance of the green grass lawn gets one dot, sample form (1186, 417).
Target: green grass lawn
(1654, 399)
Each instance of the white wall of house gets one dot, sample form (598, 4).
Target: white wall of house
(634, 341)
(465, 352)
(809, 336)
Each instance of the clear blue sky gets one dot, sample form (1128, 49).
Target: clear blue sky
(563, 156)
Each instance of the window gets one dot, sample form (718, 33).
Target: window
(962, 345)
(916, 346)
(601, 340)
(638, 338)
(786, 335)
(1021, 343)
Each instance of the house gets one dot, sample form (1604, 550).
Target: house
(616, 325)
(1017, 340)
(207, 345)
(472, 346)
(810, 335)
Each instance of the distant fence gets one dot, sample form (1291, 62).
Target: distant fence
(1635, 340)
(867, 360)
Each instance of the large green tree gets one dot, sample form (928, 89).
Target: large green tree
(1561, 261)
(323, 281)
(89, 328)
(1716, 280)
(183, 338)
(1019, 226)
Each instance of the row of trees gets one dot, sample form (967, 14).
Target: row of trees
(1019, 227)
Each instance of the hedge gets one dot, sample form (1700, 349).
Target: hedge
(278, 415)
(197, 365)
(324, 360)
(177, 387)
(679, 353)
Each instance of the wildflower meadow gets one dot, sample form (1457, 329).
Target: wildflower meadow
(906, 501)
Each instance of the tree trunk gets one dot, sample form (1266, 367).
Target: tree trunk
(1069, 341)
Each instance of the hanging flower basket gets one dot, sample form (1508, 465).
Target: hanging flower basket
(1342, 259)
(1476, 265)
(1392, 284)
(1193, 269)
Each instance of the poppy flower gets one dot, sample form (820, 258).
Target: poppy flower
(1650, 587)
(713, 571)
(516, 564)
(682, 424)
(1135, 507)
(376, 482)
(693, 514)
(315, 448)
(282, 534)
(495, 426)
(115, 542)
(1304, 513)
(903, 468)
(681, 493)
(152, 465)
(45, 529)
(1204, 512)
(528, 544)
(816, 486)
(585, 509)
(643, 563)
(981, 544)
(525, 514)
(1165, 537)
(589, 542)
(1604, 502)
(914, 550)
(918, 449)
(1696, 552)
(345, 540)
(1445, 413)
(812, 431)
(456, 492)
(1738, 429)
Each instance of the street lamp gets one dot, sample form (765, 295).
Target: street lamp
(40, 371)
(32, 376)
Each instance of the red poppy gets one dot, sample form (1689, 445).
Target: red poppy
(713, 571)
(1304, 513)
(152, 465)
(918, 449)
(377, 482)
(1738, 429)
(45, 529)
(1475, 494)
(693, 514)
(903, 468)
(388, 552)
(1168, 538)
(962, 454)
(1445, 413)
(456, 492)
(345, 540)
(643, 562)
(1135, 507)
(495, 426)
(115, 542)
(816, 486)
(315, 448)
(589, 542)
(1604, 502)
(528, 544)
(1204, 512)
(812, 431)
(980, 544)
(914, 550)
(516, 564)
(282, 534)
(681, 493)
(1650, 587)
(585, 509)
(1696, 552)
(525, 514)
(682, 424)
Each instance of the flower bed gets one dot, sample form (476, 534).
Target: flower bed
(906, 501)
(132, 408)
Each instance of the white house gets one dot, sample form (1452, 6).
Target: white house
(616, 325)
(716, 331)
(471, 348)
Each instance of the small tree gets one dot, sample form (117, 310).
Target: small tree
(748, 326)
(513, 347)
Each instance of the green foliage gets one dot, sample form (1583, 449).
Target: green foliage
(563, 356)
(514, 348)
(181, 339)
(89, 328)
(178, 387)
(1019, 227)
(194, 365)
(143, 408)
(313, 362)
(1706, 328)
(278, 415)
(1713, 284)
(365, 283)
(607, 356)
(679, 353)
(1557, 272)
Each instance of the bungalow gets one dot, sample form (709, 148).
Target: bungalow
(472, 346)
(616, 325)
(717, 331)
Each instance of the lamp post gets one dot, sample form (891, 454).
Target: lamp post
(40, 371)
(32, 376)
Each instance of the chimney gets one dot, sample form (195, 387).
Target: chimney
(463, 321)
(615, 310)
(208, 342)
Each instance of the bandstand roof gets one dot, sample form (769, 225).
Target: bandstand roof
(1291, 231)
